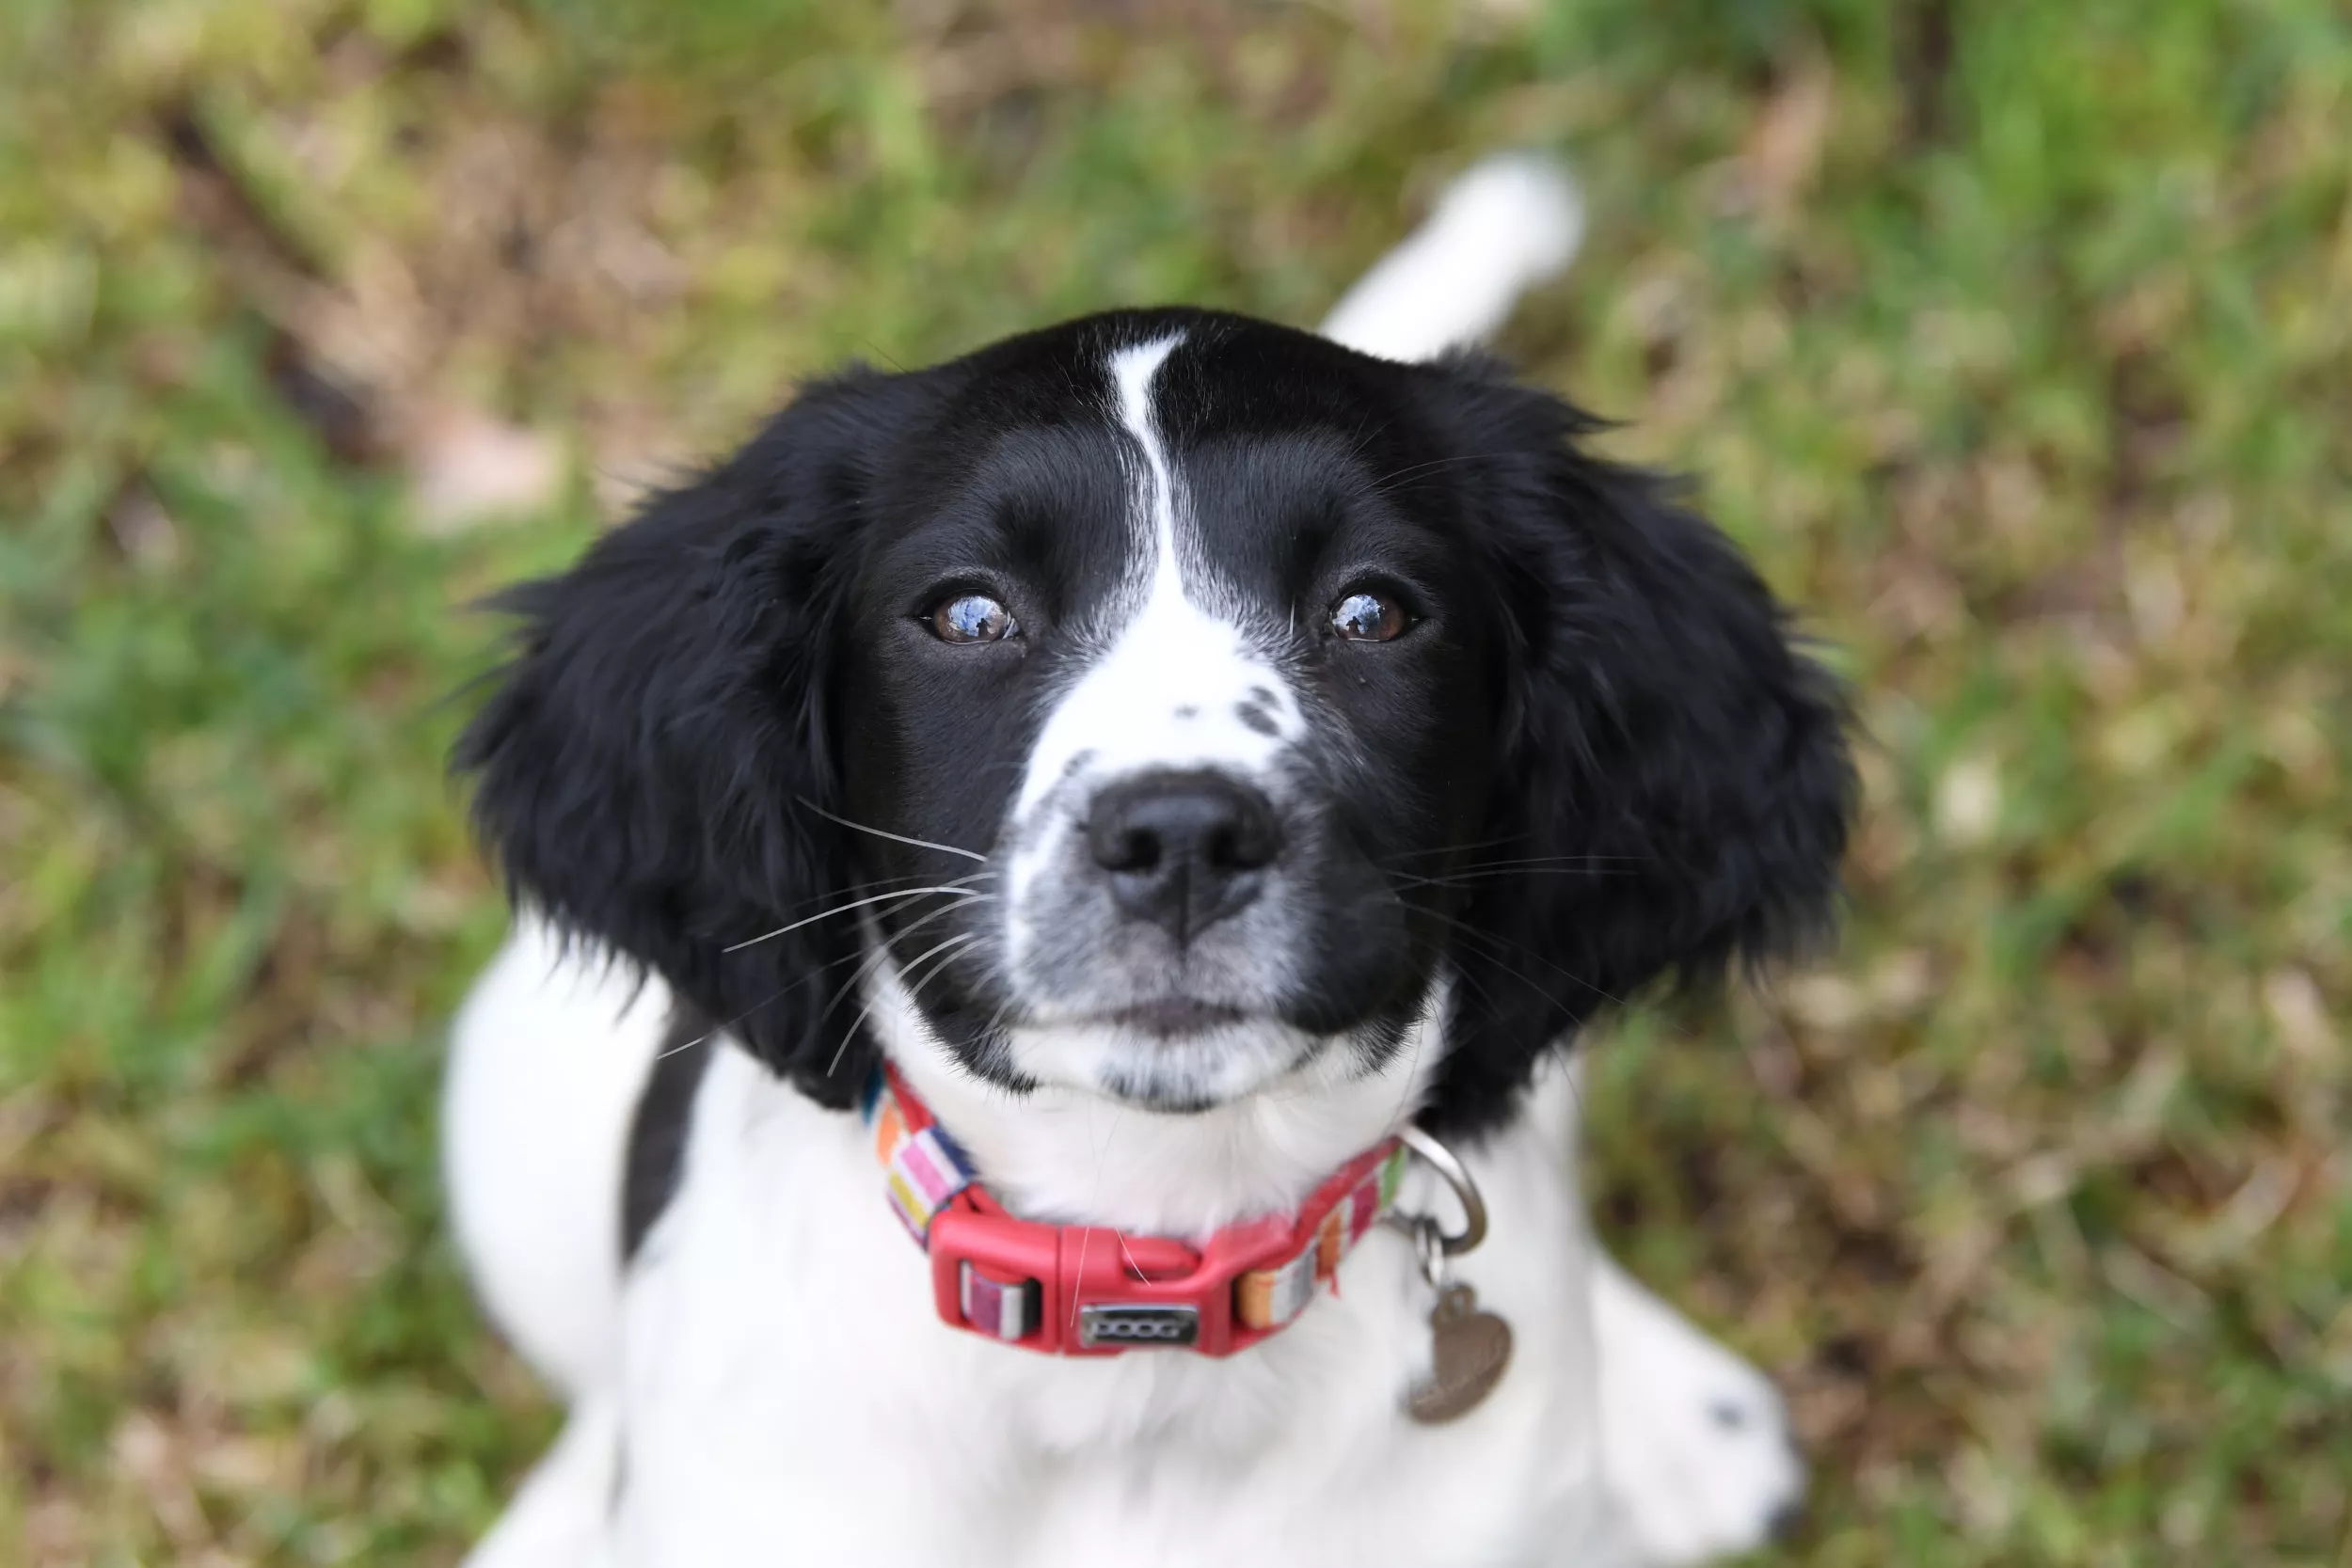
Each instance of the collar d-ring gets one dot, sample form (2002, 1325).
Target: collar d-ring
(1441, 1159)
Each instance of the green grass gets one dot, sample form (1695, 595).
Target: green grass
(2015, 342)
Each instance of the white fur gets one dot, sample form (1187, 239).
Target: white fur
(783, 1382)
(560, 1513)
(788, 1393)
(919, 1446)
(536, 1126)
(1502, 228)
(770, 1385)
(1063, 1154)
(1696, 1441)
(1164, 692)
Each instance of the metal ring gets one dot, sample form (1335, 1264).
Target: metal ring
(1441, 1159)
(1429, 1250)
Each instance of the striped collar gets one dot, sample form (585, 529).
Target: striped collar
(1072, 1289)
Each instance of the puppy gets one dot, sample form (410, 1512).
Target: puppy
(1001, 861)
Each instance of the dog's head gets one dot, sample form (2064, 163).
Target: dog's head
(1165, 702)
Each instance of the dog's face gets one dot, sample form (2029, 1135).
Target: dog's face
(1159, 623)
(1165, 701)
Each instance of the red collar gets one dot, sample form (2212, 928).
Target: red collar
(1075, 1289)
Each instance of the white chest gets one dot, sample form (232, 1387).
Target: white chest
(791, 1396)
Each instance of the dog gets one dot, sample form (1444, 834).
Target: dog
(1162, 792)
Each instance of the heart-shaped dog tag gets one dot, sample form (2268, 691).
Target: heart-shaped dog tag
(1467, 1350)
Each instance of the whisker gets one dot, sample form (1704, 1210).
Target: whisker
(897, 838)
(1525, 859)
(871, 883)
(689, 1045)
(768, 1001)
(1413, 1071)
(1495, 942)
(1568, 1062)
(1093, 1204)
(882, 953)
(1490, 874)
(866, 1011)
(1493, 955)
(1562, 860)
(956, 889)
(996, 1018)
(1411, 468)
(721, 1028)
(1452, 849)
(798, 981)
(960, 942)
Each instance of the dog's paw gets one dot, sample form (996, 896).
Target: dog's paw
(1694, 1441)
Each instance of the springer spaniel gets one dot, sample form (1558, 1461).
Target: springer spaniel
(1053, 891)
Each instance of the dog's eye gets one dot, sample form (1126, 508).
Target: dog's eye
(973, 618)
(1364, 616)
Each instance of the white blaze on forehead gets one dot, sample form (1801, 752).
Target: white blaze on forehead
(1132, 371)
(1176, 685)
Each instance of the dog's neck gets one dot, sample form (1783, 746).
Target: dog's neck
(1072, 1157)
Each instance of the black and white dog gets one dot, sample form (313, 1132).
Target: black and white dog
(1184, 753)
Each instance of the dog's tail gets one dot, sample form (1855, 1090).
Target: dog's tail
(1505, 226)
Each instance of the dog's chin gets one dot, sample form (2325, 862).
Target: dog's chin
(1172, 1056)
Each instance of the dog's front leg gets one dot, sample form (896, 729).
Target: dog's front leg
(562, 1517)
(1694, 1441)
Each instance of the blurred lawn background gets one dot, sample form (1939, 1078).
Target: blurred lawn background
(2015, 341)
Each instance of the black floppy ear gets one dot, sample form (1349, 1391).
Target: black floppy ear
(1674, 783)
(645, 767)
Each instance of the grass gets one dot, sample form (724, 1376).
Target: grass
(2015, 342)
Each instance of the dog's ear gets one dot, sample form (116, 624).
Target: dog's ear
(652, 767)
(1673, 790)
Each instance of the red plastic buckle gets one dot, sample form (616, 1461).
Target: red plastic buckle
(1102, 1291)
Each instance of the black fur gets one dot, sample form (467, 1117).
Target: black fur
(1669, 739)
(1618, 768)
(652, 767)
(654, 1161)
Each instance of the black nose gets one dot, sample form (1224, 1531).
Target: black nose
(1184, 850)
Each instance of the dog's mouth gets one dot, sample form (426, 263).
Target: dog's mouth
(1172, 1054)
(1177, 1017)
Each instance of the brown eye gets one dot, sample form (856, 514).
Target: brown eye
(973, 618)
(1364, 617)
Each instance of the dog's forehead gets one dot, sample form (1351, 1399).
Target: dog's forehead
(1223, 375)
(1253, 421)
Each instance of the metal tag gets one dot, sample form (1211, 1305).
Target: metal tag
(1146, 1324)
(1469, 1350)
